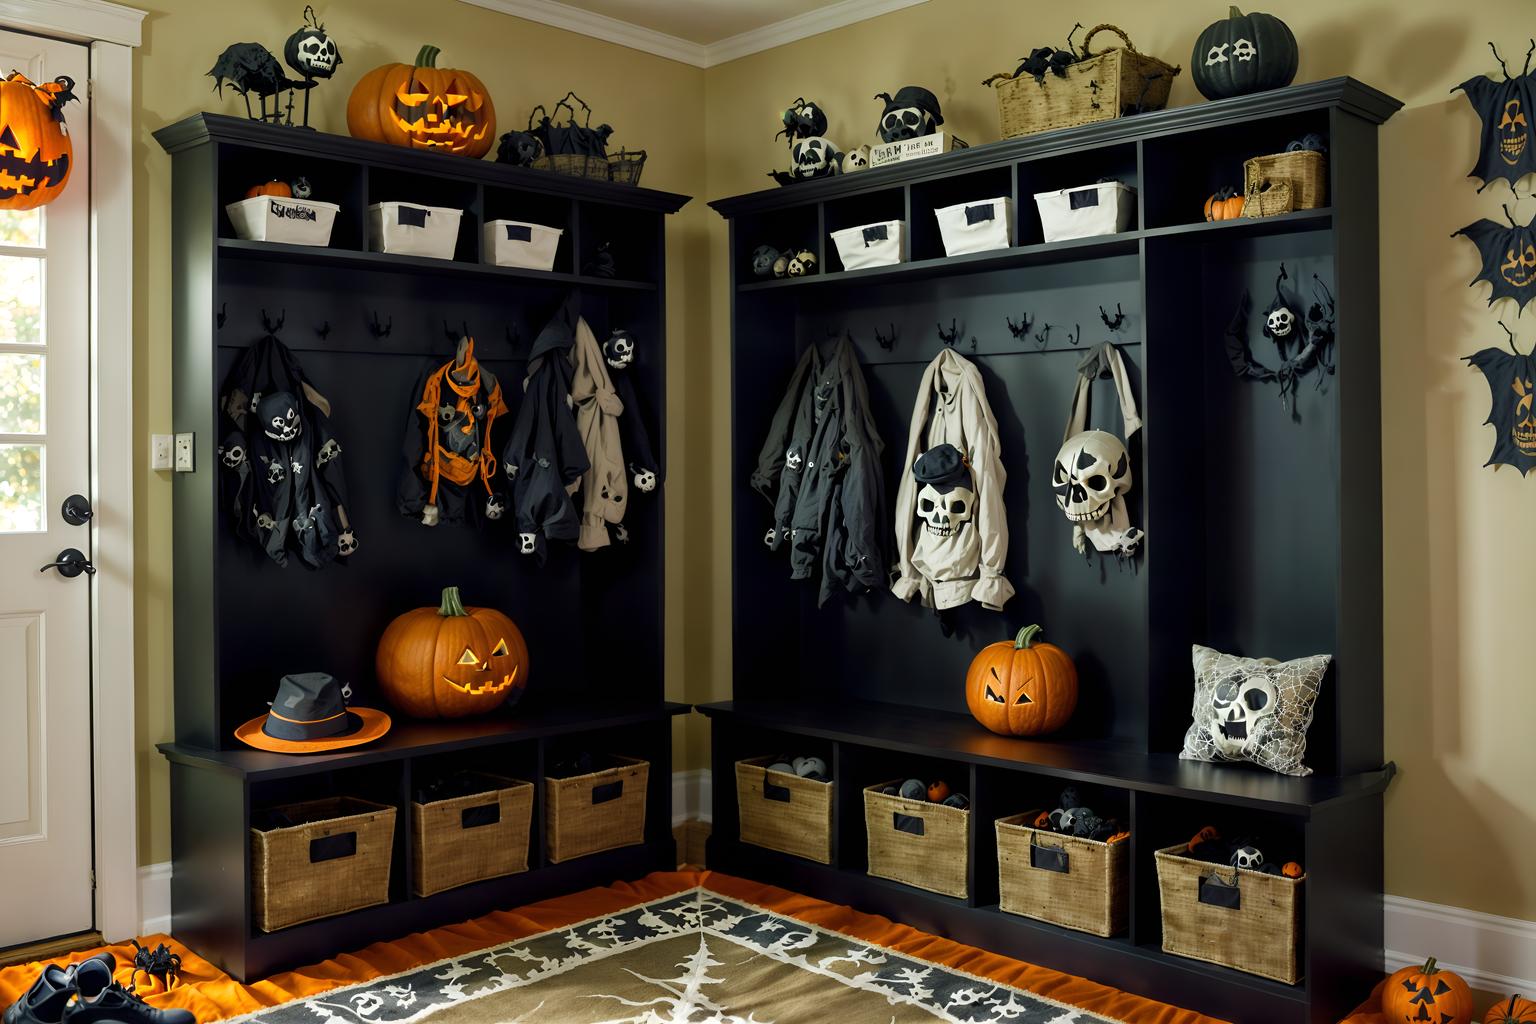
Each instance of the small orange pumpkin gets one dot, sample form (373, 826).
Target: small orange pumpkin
(1514, 1010)
(938, 791)
(1225, 204)
(451, 661)
(271, 188)
(35, 148)
(1022, 688)
(1292, 870)
(423, 106)
(1427, 993)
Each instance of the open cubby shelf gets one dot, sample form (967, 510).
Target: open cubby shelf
(1232, 559)
(593, 622)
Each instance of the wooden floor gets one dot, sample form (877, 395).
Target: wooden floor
(49, 948)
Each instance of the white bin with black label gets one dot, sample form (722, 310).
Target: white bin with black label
(871, 245)
(406, 229)
(281, 219)
(976, 227)
(1103, 208)
(517, 243)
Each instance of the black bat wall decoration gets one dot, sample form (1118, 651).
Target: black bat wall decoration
(1504, 107)
(1509, 258)
(1511, 380)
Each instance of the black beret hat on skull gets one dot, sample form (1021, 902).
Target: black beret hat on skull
(943, 468)
(914, 96)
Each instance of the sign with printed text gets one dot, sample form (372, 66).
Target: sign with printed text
(908, 149)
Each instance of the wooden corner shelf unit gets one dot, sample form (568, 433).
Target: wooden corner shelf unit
(593, 622)
(1263, 529)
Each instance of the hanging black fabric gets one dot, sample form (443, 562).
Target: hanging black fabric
(1509, 258)
(1505, 108)
(1512, 386)
(281, 476)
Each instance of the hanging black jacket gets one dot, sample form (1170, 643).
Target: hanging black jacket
(449, 472)
(781, 462)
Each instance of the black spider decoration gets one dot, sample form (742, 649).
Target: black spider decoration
(1315, 337)
(1047, 60)
(251, 68)
(159, 964)
(1115, 322)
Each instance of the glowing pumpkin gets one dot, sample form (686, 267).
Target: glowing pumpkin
(35, 149)
(1426, 994)
(451, 661)
(422, 106)
(1022, 688)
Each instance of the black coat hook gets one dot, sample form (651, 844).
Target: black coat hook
(1042, 336)
(1115, 322)
(1075, 335)
(514, 339)
(1018, 330)
(378, 328)
(460, 334)
(886, 341)
(952, 336)
(223, 313)
(324, 330)
(272, 327)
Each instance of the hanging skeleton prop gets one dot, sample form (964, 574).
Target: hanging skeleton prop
(280, 470)
(911, 113)
(811, 153)
(1092, 472)
(640, 459)
(251, 68)
(1511, 380)
(313, 54)
(449, 469)
(1304, 342)
(1509, 258)
(1504, 107)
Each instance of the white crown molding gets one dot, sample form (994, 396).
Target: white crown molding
(1493, 954)
(87, 21)
(700, 55)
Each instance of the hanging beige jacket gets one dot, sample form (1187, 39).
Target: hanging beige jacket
(604, 486)
(966, 563)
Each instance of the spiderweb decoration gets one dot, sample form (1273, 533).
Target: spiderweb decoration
(1253, 710)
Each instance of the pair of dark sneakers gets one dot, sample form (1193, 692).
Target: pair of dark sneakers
(85, 993)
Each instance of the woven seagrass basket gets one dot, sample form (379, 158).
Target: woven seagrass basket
(333, 858)
(595, 812)
(471, 838)
(1243, 919)
(1303, 173)
(782, 811)
(923, 844)
(1076, 883)
(1099, 87)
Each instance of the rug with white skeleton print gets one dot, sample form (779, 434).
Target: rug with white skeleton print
(690, 958)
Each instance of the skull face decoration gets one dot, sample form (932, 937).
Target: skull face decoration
(619, 349)
(1092, 469)
(1511, 378)
(645, 479)
(763, 259)
(947, 501)
(1503, 104)
(912, 112)
(1091, 474)
(233, 456)
(803, 119)
(1512, 133)
(1280, 323)
(813, 158)
(278, 416)
(1244, 50)
(802, 264)
(856, 159)
(1239, 706)
(346, 543)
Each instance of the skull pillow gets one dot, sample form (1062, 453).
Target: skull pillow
(1255, 710)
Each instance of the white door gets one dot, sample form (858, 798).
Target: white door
(45, 680)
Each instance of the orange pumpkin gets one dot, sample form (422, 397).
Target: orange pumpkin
(1022, 688)
(423, 106)
(1225, 204)
(452, 661)
(1292, 870)
(35, 148)
(1416, 994)
(1514, 1010)
(938, 791)
(270, 188)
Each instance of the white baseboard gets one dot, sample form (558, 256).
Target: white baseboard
(1493, 954)
(691, 796)
(155, 898)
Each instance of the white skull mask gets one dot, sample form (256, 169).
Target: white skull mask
(1239, 705)
(1280, 322)
(904, 123)
(527, 543)
(1092, 469)
(645, 481)
(944, 513)
(856, 159)
(346, 543)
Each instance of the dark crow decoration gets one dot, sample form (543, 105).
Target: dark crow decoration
(1509, 258)
(1505, 108)
(1511, 380)
(251, 68)
(803, 119)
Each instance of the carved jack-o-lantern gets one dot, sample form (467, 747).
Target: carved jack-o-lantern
(422, 106)
(35, 149)
(1426, 993)
(1022, 687)
(452, 661)
(1519, 266)
(1512, 133)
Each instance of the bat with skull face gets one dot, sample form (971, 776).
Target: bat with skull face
(1511, 380)
(1504, 108)
(1509, 258)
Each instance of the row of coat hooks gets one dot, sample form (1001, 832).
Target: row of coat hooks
(1024, 327)
(377, 326)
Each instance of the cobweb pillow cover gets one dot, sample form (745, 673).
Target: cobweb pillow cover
(1255, 710)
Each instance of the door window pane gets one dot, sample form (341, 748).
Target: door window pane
(21, 300)
(21, 393)
(21, 227)
(21, 488)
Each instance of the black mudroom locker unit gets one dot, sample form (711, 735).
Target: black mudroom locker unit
(1262, 529)
(364, 324)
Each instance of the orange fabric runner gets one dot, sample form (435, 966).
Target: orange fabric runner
(213, 995)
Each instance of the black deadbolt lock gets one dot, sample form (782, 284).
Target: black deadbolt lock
(76, 510)
(71, 563)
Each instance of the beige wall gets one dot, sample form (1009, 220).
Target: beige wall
(1461, 569)
(1460, 574)
(656, 104)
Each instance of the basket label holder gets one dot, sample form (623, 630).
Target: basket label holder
(607, 791)
(336, 847)
(1083, 198)
(980, 213)
(908, 823)
(411, 216)
(1049, 858)
(1215, 892)
(519, 233)
(773, 791)
(481, 816)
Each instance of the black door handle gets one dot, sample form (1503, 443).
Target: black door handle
(76, 510)
(71, 563)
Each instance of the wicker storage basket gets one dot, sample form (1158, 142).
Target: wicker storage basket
(1099, 87)
(471, 838)
(1243, 919)
(334, 858)
(1266, 199)
(595, 812)
(784, 812)
(626, 165)
(920, 843)
(1076, 883)
(1304, 173)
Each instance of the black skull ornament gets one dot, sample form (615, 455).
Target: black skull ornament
(310, 51)
(912, 112)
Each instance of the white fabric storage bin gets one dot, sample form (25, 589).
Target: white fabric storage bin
(976, 227)
(870, 245)
(1100, 209)
(406, 229)
(280, 219)
(517, 243)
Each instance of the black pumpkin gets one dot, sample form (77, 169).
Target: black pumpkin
(1243, 54)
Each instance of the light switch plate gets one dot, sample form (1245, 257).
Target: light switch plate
(184, 453)
(160, 456)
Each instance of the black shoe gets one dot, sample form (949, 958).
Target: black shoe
(45, 1001)
(116, 1005)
